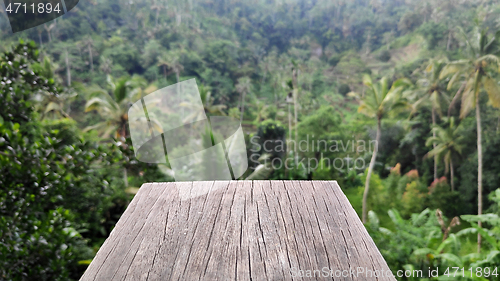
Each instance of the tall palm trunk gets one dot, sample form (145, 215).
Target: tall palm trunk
(370, 169)
(295, 110)
(289, 137)
(449, 41)
(452, 174)
(479, 169)
(295, 81)
(289, 123)
(434, 144)
(157, 14)
(125, 177)
(91, 57)
(179, 94)
(47, 28)
(40, 37)
(243, 94)
(123, 132)
(68, 70)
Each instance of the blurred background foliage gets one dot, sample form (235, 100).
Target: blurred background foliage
(294, 72)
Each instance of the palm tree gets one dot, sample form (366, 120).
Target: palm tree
(49, 29)
(378, 102)
(208, 102)
(52, 104)
(49, 103)
(474, 71)
(295, 91)
(47, 68)
(446, 142)
(164, 63)
(430, 90)
(68, 67)
(113, 107)
(89, 43)
(156, 7)
(106, 65)
(39, 31)
(57, 104)
(261, 111)
(152, 51)
(66, 53)
(170, 60)
(243, 87)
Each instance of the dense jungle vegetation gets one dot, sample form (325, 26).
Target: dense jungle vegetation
(325, 77)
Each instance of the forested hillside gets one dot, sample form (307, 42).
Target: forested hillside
(396, 100)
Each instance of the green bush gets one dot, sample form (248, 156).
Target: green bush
(384, 55)
(441, 197)
(334, 60)
(48, 174)
(433, 33)
(344, 89)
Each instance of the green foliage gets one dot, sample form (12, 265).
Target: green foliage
(384, 55)
(409, 22)
(404, 237)
(113, 107)
(441, 197)
(270, 138)
(377, 191)
(246, 51)
(125, 55)
(344, 89)
(49, 173)
(33, 225)
(413, 198)
(351, 66)
(433, 32)
(334, 59)
(492, 220)
(382, 99)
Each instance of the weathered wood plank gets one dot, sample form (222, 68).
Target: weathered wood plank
(239, 230)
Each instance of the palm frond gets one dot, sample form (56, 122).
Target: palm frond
(262, 171)
(493, 90)
(402, 82)
(102, 129)
(456, 97)
(219, 109)
(102, 104)
(367, 80)
(436, 102)
(468, 99)
(52, 106)
(367, 110)
(120, 89)
(454, 79)
(492, 59)
(451, 258)
(452, 68)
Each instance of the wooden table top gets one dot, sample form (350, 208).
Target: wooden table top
(239, 230)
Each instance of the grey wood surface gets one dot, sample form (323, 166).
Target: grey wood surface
(239, 230)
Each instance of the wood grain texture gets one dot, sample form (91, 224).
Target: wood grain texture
(239, 230)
